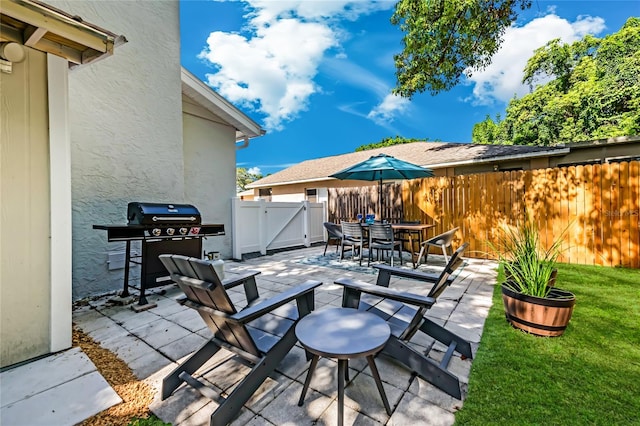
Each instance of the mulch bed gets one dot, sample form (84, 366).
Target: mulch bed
(136, 395)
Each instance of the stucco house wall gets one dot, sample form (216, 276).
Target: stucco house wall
(210, 169)
(126, 130)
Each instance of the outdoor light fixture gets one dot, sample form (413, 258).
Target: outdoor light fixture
(10, 53)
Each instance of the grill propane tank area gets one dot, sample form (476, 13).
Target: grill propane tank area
(162, 229)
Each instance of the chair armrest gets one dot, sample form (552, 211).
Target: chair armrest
(400, 296)
(238, 278)
(276, 301)
(385, 272)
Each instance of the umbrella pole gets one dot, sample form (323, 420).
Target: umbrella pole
(380, 202)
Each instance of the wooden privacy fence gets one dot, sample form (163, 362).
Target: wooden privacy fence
(346, 203)
(596, 206)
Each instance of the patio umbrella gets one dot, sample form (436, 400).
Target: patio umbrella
(383, 167)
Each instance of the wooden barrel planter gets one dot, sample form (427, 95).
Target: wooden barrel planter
(542, 316)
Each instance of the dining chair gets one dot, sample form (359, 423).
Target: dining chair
(334, 233)
(352, 236)
(381, 238)
(442, 241)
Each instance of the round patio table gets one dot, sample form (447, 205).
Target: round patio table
(343, 334)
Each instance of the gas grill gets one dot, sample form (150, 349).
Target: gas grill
(163, 229)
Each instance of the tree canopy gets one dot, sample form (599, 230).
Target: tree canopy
(244, 178)
(581, 91)
(398, 140)
(445, 39)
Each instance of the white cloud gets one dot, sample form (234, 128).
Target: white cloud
(386, 111)
(503, 78)
(254, 171)
(390, 105)
(271, 69)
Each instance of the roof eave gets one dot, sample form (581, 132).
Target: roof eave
(547, 153)
(41, 20)
(551, 153)
(197, 90)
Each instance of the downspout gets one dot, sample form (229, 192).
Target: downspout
(244, 144)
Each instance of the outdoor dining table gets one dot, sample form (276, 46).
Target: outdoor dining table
(412, 230)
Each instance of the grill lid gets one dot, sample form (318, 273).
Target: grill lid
(139, 213)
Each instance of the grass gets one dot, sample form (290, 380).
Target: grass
(589, 375)
(150, 421)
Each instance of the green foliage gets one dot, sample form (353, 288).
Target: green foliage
(593, 368)
(527, 264)
(244, 178)
(149, 421)
(583, 91)
(487, 132)
(398, 140)
(446, 38)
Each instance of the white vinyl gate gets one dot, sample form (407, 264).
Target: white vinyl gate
(261, 225)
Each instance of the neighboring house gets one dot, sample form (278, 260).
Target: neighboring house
(140, 128)
(246, 195)
(310, 179)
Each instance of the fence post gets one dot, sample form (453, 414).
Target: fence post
(262, 227)
(306, 223)
(235, 228)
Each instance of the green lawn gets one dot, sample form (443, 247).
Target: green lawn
(589, 375)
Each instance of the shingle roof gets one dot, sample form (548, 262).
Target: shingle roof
(426, 154)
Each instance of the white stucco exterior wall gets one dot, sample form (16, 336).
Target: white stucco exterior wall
(126, 129)
(210, 170)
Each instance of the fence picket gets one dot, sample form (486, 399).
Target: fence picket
(634, 214)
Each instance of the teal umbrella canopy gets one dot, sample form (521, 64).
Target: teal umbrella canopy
(383, 167)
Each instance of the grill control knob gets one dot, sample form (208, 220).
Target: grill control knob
(183, 231)
(156, 232)
(171, 231)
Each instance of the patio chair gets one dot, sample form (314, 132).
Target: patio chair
(381, 238)
(405, 314)
(261, 334)
(352, 236)
(334, 233)
(443, 241)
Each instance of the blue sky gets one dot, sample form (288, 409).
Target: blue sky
(317, 75)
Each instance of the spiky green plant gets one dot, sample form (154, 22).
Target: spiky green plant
(527, 264)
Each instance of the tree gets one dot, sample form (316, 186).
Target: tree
(244, 178)
(581, 91)
(447, 38)
(486, 132)
(398, 140)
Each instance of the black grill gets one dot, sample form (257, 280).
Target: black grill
(163, 229)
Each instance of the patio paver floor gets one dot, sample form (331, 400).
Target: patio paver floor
(153, 341)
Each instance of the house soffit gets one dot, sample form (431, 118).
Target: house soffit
(45, 28)
(203, 96)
